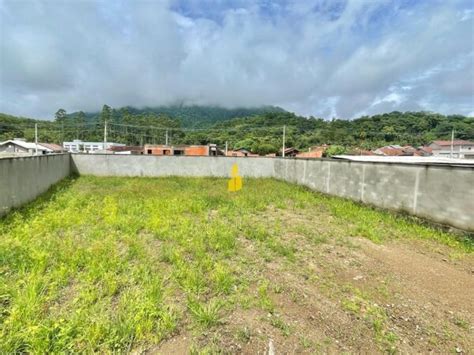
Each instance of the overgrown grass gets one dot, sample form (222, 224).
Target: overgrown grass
(115, 264)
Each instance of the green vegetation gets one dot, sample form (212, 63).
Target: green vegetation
(120, 264)
(258, 130)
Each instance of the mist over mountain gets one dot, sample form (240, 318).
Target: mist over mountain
(192, 116)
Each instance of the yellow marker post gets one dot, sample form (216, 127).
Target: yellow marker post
(235, 182)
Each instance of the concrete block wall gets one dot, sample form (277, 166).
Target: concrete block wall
(151, 165)
(444, 194)
(23, 179)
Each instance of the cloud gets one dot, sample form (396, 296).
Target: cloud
(320, 58)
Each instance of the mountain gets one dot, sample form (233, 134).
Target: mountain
(259, 132)
(194, 116)
(263, 133)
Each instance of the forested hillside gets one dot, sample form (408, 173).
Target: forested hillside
(188, 116)
(259, 132)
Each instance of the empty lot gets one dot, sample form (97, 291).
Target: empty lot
(179, 265)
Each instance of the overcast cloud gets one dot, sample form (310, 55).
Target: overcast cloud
(325, 58)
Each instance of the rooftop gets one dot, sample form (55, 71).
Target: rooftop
(27, 145)
(455, 142)
(406, 159)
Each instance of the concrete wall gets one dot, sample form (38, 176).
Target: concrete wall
(443, 194)
(23, 179)
(151, 165)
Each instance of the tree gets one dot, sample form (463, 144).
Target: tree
(81, 124)
(106, 114)
(60, 115)
(335, 150)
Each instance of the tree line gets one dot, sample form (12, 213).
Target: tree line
(260, 132)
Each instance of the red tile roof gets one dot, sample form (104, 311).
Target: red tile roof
(312, 154)
(455, 142)
(52, 146)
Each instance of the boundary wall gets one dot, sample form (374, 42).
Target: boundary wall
(22, 179)
(443, 194)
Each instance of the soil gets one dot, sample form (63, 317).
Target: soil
(420, 292)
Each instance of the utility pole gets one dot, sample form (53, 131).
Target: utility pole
(226, 148)
(36, 138)
(105, 135)
(283, 150)
(452, 143)
(166, 137)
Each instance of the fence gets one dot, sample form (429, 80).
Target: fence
(444, 194)
(23, 179)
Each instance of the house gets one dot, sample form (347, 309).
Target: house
(188, 150)
(425, 151)
(396, 150)
(289, 152)
(460, 149)
(77, 146)
(55, 148)
(126, 149)
(19, 146)
(313, 152)
(158, 149)
(73, 147)
(241, 153)
(360, 151)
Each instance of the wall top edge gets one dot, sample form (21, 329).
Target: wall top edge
(32, 156)
(339, 161)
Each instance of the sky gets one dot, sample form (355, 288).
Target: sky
(325, 58)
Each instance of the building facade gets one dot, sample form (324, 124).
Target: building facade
(461, 149)
(20, 146)
(78, 146)
(188, 150)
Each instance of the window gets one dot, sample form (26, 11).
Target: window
(149, 151)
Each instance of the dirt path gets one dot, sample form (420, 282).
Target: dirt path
(425, 277)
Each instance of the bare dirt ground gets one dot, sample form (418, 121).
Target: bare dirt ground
(350, 295)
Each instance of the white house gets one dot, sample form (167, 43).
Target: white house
(461, 149)
(78, 146)
(19, 146)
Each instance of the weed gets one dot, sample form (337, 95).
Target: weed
(281, 249)
(222, 279)
(243, 335)
(280, 324)
(265, 301)
(461, 323)
(374, 315)
(205, 314)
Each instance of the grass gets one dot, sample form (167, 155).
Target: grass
(206, 314)
(118, 264)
